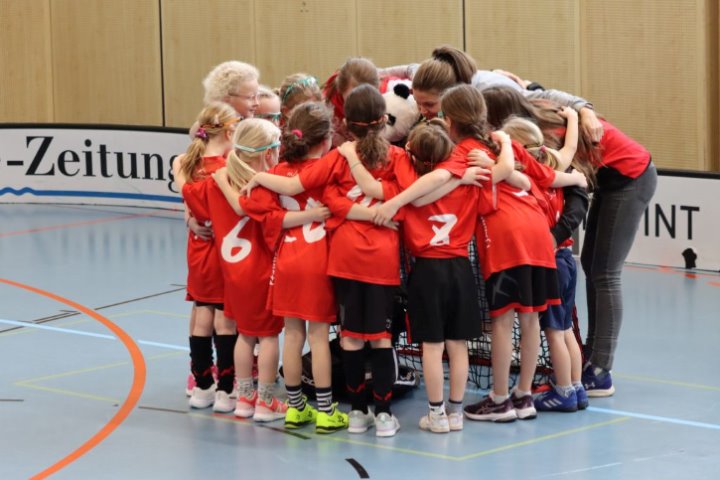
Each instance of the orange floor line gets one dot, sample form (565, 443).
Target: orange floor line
(70, 225)
(133, 396)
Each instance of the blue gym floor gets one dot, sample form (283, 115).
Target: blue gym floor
(93, 348)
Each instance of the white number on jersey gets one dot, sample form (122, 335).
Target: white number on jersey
(232, 242)
(442, 234)
(355, 193)
(310, 234)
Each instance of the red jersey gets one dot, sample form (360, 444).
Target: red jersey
(444, 228)
(204, 280)
(556, 201)
(245, 260)
(358, 250)
(301, 287)
(621, 153)
(512, 229)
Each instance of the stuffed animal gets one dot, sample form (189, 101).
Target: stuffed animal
(402, 111)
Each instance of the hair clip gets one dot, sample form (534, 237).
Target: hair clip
(297, 84)
(297, 133)
(201, 133)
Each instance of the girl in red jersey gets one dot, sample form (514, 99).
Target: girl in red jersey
(363, 258)
(246, 266)
(302, 291)
(516, 253)
(626, 179)
(567, 393)
(205, 155)
(296, 89)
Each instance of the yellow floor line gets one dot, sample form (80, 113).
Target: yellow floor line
(667, 382)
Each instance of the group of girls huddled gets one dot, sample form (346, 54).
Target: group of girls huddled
(316, 238)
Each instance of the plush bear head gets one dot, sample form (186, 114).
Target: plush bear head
(402, 111)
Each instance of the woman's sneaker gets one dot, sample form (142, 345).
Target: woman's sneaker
(269, 412)
(489, 411)
(552, 401)
(295, 418)
(359, 422)
(582, 397)
(435, 422)
(223, 402)
(245, 407)
(524, 406)
(329, 423)
(597, 382)
(386, 425)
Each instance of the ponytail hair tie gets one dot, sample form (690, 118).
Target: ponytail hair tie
(201, 133)
(297, 133)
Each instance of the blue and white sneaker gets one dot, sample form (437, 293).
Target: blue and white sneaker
(597, 382)
(552, 401)
(582, 397)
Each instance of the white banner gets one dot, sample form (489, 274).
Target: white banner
(89, 165)
(683, 214)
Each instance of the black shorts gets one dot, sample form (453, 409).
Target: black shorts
(216, 306)
(443, 301)
(365, 310)
(524, 289)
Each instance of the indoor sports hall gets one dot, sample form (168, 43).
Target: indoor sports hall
(97, 99)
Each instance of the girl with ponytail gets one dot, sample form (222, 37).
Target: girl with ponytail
(206, 154)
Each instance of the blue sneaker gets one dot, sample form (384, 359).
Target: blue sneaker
(582, 397)
(597, 384)
(552, 401)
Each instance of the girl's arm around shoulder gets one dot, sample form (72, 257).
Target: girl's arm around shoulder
(367, 183)
(231, 195)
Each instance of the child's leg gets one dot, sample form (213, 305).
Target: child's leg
(318, 333)
(459, 365)
(247, 396)
(225, 338)
(575, 356)
(268, 360)
(501, 353)
(432, 366)
(354, 365)
(529, 349)
(384, 372)
(292, 361)
(268, 408)
(559, 356)
(201, 357)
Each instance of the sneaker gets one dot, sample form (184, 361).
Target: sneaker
(488, 410)
(455, 420)
(386, 425)
(435, 422)
(200, 398)
(553, 401)
(192, 384)
(223, 402)
(245, 407)
(265, 412)
(597, 385)
(582, 397)
(359, 422)
(524, 406)
(295, 418)
(329, 423)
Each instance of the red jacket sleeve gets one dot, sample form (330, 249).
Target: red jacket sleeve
(264, 206)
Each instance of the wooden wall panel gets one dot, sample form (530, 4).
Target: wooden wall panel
(106, 61)
(407, 31)
(646, 66)
(536, 40)
(312, 36)
(196, 37)
(25, 61)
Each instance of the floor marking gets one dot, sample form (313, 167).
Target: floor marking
(69, 393)
(94, 335)
(159, 409)
(249, 423)
(667, 382)
(133, 396)
(72, 225)
(12, 399)
(676, 421)
(358, 468)
(581, 470)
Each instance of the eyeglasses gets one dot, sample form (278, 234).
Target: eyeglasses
(248, 98)
(273, 117)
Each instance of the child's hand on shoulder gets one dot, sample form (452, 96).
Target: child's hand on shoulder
(220, 176)
(501, 137)
(348, 150)
(579, 178)
(319, 213)
(569, 113)
(475, 175)
(478, 158)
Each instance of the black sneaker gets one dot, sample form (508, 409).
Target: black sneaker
(489, 411)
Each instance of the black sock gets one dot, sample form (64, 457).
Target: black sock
(201, 361)
(225, 348)
(324, 399)
(354, 365)
(384, 373)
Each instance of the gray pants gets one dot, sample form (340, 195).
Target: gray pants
(612, 223)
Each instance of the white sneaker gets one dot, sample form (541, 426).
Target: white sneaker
(359, 422)
(223, 402)
(435, 422)
(455, 420)
(200, 398)
(386, 425)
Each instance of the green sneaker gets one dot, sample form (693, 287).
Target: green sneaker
(326, 423)
(295, 418)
